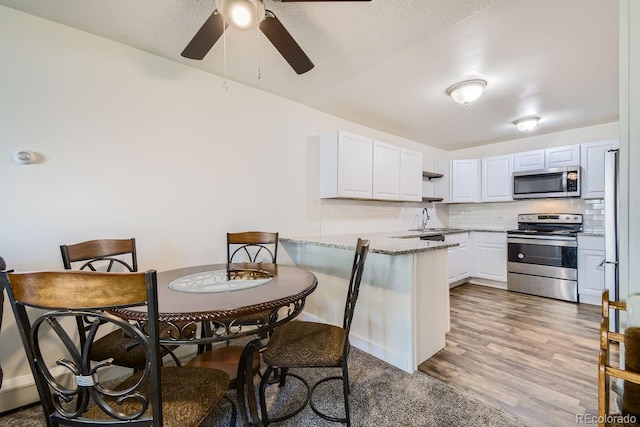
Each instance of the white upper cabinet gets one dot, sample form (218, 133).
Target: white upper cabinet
(411, 167)
(496, 178)
(356, 167)
(528, 161)
(386, 171)
(465, 181)
(592, 162)
(346, 165)
(550, 158)
(562, 156)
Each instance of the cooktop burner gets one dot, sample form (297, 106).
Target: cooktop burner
(548, 224)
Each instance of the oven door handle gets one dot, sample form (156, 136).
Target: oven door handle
(545, 241)
(530, 237)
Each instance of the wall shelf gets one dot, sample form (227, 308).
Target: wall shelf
(431, 175)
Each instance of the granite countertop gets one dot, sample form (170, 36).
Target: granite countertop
(388, 243)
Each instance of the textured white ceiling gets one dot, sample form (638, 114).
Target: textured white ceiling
(386, 63)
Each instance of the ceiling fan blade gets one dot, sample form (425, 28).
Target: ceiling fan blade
(206, 37)
(286, 45)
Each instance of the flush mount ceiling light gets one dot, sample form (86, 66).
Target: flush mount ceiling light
(466, 91)
(526, 123)
(242, 14)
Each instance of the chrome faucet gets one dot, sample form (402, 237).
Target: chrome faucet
(425, 218)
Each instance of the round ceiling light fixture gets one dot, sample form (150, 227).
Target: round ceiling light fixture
(242, 14)
(466, 91)
(526, 124)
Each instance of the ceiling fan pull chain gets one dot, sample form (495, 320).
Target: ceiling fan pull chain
(258, 48)
(225, 86)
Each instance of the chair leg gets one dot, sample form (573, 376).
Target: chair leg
(263, 385)
(234, 411)
(346, 389)
(172, 355)
(263, 405)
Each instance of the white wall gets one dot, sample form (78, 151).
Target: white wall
(629, 146)
(133, 145)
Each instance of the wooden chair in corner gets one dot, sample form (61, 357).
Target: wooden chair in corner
(629, 400)
(70, 388)
(301, 344)
(116, 255)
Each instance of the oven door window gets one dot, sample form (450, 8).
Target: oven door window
(547, 255)
(539, 184)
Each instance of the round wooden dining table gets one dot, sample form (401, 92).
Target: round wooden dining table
(231, 301)
(270, 294)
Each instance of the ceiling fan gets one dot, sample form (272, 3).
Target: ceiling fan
(249, 14)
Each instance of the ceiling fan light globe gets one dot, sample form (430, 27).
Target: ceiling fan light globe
(242, 14)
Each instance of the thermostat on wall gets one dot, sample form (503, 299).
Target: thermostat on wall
(24, 157)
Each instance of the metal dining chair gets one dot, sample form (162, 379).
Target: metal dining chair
(253, 247)
(156, 396)
(301, 344)
(113, 255)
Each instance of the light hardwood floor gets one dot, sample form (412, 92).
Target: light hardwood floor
(533, 357)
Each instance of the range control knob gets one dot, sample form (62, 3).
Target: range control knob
(521, 256)
(568, 218)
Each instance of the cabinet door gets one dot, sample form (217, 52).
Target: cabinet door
(528, 161)
(465, 181)
(590, 276)
(496, 178)
(592, 163)
(562, 156)
(490, 255)
(458, 257)
(411, 168)
(464, 262)
(386, 171)
(355, 166)
(591, 281)
(452, 264)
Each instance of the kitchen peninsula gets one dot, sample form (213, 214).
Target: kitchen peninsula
(402, 313)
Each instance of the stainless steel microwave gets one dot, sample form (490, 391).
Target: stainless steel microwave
(554, 182)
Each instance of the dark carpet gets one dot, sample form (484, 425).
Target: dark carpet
(381, 395)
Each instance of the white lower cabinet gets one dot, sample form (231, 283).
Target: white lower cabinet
(459, 259)
(490, 256)
(590, 269)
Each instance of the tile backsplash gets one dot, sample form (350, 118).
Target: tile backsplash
(352, 216)
(505, 214)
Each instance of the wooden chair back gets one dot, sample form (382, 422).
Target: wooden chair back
(101, 255)
(252, 246)
(89, 295)
(608, 369)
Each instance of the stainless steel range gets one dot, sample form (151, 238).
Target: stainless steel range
(543, 255)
